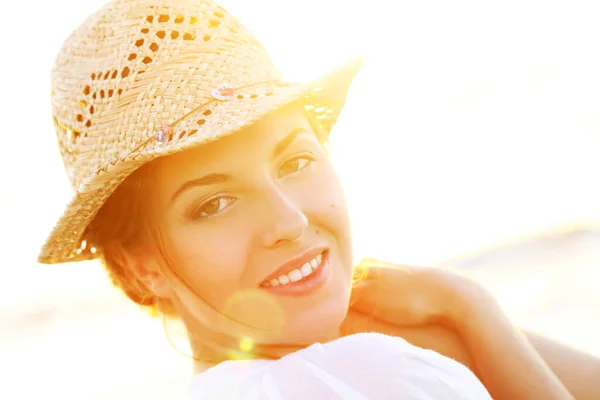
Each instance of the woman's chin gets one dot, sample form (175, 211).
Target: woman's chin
(322, 324)
(317, 317)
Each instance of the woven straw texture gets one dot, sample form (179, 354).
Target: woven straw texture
(134, 67)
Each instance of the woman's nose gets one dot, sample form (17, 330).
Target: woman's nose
(285, 220)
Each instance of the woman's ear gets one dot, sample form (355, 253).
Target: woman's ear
(146, 269)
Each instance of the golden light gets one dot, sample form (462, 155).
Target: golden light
(246, 344)
(469, 125)
(256, 309)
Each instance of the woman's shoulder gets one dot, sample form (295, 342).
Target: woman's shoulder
(363, 365)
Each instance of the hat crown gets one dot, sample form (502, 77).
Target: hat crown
(137, 65)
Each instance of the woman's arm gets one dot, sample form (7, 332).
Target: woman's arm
(499, 353)
(578, 371)
(506, 362)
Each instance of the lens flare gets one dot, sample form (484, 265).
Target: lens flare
(256, 309)
(246, 344)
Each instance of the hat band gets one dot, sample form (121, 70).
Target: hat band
(223, 92)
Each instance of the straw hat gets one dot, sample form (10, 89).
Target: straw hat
(142, 79)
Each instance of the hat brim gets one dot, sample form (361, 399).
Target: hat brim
(325, 97)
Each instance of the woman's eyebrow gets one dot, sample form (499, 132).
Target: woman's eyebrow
(209, 179)
(215, 178)
(283, 143)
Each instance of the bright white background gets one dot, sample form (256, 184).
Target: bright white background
(472, 123)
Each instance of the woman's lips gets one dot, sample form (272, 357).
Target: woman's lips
(300, 262)
(301, 282)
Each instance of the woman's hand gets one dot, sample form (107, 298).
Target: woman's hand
(408, 302)
(411, 296)
(505, 361)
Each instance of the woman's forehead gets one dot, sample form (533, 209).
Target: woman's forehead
(263, 134)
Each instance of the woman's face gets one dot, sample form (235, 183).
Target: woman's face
(256, 225)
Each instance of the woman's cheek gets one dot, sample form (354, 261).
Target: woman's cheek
(213, 264)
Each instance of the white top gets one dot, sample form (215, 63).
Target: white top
(360, 366)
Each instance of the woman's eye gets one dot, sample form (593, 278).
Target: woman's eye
(294, 165)
(212, 207)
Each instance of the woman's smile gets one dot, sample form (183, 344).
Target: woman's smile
(300, 277)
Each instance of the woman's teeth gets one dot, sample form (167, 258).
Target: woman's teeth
(296, 275)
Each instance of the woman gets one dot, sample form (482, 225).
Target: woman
(203, 184)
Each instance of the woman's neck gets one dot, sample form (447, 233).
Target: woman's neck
(210, 348)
